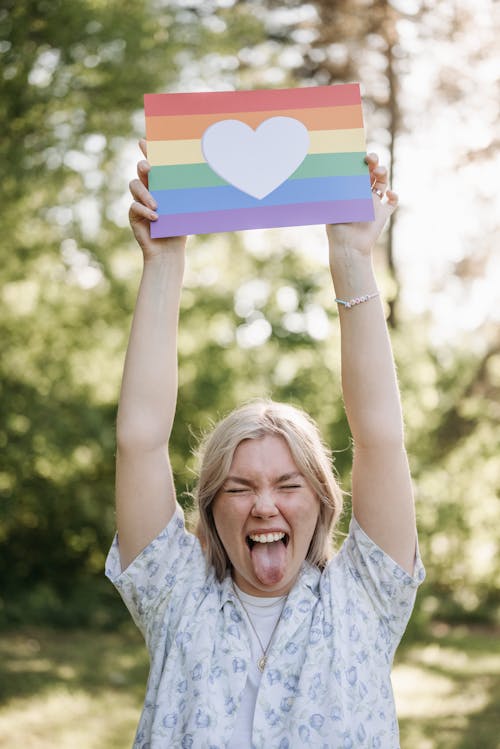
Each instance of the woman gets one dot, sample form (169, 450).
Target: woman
(256, 637)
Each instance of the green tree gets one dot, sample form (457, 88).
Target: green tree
(72, 80)
(256, 314)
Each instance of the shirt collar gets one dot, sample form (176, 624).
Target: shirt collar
(307, 583)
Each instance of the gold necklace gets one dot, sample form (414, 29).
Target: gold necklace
(261, 662)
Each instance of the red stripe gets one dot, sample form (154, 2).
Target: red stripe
(225, 102)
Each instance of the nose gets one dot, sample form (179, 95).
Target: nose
(264, 505)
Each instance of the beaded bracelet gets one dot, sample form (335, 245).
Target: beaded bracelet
(357, 300)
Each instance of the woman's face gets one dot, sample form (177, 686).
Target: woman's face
(265, 515)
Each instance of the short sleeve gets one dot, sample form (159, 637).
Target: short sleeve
(380, 585)
(161, 577)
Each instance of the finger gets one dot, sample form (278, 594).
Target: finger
(371, 159)
(140, 212)
(377, 173)
(392, 200)
(142, 194)
(143, 146)
(379, 181)
(143, 169)
(379, 177)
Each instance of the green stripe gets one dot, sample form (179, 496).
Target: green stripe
(183, 176)
(201, 175)
(332, 165)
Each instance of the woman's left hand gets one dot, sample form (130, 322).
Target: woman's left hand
(362, 236)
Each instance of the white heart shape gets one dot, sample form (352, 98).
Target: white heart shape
(255, 161)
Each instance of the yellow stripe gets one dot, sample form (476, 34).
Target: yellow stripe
(189, 151)
(174, 152)
(337, 141)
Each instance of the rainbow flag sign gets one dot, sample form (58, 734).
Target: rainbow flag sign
(255, 159)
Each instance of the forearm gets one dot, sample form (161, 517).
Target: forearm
(149, 386)
(382, 497)
(369, 383)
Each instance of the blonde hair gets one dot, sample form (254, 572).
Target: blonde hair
(312, 457)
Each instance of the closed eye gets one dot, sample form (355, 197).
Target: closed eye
(291, 486)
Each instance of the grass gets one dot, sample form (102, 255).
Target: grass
(448, 690)
(71, 690)
(84, 689)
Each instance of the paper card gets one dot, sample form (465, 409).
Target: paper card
(256, 159)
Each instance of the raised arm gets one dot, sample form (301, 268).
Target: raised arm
(145, 495)
(382, 494)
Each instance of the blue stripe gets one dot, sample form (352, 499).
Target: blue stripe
(311, 190)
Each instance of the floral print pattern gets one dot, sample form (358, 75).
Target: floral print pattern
(327, 681)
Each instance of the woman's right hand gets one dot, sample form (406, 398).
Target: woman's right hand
(143, 211)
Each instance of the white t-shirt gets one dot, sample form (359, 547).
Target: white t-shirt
(264, 614)
(326, 683)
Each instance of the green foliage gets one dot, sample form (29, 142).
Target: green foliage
(72, 80)
(453, 430)
(256, 319)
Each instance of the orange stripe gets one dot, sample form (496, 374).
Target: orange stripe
(190, 127)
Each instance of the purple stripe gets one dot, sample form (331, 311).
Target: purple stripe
(265, 217)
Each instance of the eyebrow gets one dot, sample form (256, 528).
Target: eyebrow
(283, 477)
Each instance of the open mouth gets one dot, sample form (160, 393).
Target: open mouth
(266, 538)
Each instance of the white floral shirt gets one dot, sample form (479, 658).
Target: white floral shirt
(327, 681)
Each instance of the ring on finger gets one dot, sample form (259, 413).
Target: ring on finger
(378, 192)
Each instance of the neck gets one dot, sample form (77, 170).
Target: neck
(269, 600)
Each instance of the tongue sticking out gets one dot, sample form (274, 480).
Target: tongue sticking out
(269, 561)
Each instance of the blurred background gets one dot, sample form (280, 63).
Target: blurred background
(257, 319)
